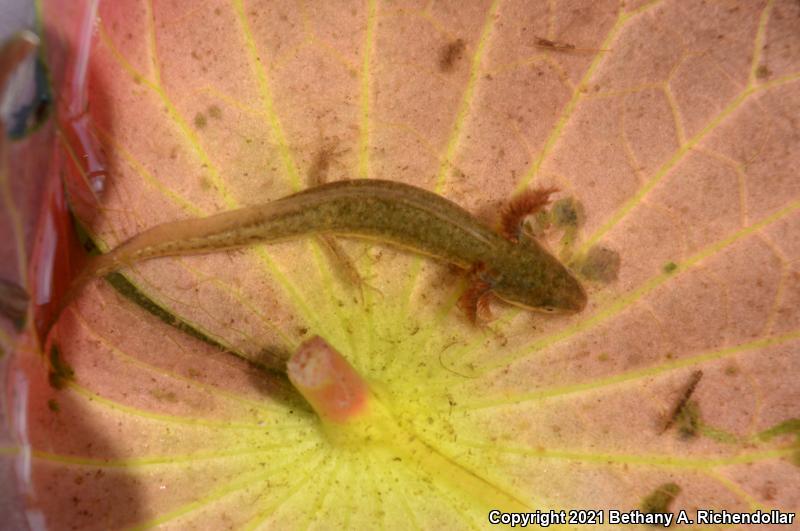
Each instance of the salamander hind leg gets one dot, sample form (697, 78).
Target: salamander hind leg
(527, 203)
(317, 176)
(474, 302)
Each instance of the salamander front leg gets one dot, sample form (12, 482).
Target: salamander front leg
(474, 302)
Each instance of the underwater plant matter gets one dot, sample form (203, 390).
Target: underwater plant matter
(675, 137)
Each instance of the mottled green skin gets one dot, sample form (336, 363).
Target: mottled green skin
(522, 273)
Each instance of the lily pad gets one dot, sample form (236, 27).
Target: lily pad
(672, 124)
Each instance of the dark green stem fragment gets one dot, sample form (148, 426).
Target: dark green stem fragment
(274, 368)
(688, 420)
(53, 406)
(126, 288)
(661, 498)
(270, 364)
(60, 371)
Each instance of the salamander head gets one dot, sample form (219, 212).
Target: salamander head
(532, 278)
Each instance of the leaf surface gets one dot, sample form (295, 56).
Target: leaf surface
(672, 124)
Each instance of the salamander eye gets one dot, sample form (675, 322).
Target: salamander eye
(548, 309)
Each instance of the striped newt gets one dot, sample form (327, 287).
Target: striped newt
(505, 263)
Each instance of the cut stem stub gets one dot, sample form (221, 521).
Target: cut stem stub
(334, 389)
